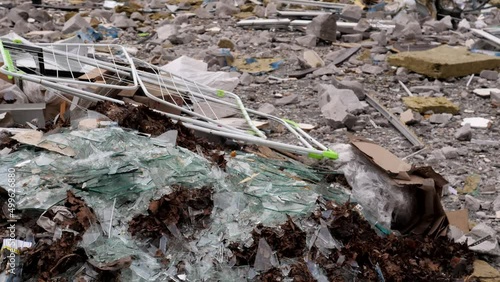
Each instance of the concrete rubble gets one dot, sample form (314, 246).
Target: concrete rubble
(395, 73)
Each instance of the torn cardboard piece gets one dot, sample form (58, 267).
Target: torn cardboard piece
(428, 216)
(382, 157)
(459, 219)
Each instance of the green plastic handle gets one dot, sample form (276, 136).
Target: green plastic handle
(329, 154)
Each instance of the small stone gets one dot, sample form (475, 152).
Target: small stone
(352, 38)
(481, 214)
(410, 117)
(401, 71)
(380, 38)
(259, 11)
(463, 26)
(136, 16)
(40, 15)
(225, 10)
(496, 204)
(355, 86)
(291, 99)
(329, 93)
(464, 133)
(472, 203)
(352, 12)
(75, 23)
(122, 21)
(379, 57)
(307, 41)
(371, 69)
(440, 118)
(336, 114)
(477, 122)
(16, 15)
(489, 75)
(411, 31)
(485, 92)
(203, 13)
(267, 108)
(362, 26)
(324, 27)
(271, 10)
(450, 152)
(313, 60)
(437, 26)
(246, 79)
(495, 98)
(167, 32)
(447, 22)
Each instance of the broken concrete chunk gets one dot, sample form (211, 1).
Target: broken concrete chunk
(259, 11)
(410, 117)
(271, 10)
(495, 98)
(308, 40)
(411, 31)
(136, 16)
(40, 15)
(313, 59)
(437, 26)
(75, 23)
(371, 69)
(352, 12)
(434, 104)
(355, 86)
(291, 99)
(362, 26)
(329, 93)
(246, 79)
(444, 62)
(440, 118)
(352, 38)
(327, 70)
(324, 27)
(380, 37)
(472, 203)
(167, 31)
(464, 133)
(337, 115)
(463, 26)
(489, 74)
(477, 122)
(223, 10)
(203, 13)
(446, 21)
(16, 15)
(450, 152)
(122, 21)
(485, 92)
